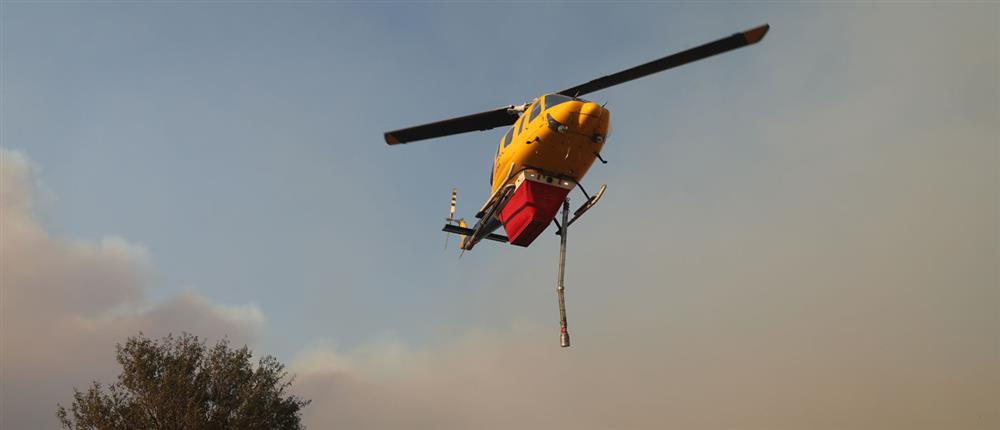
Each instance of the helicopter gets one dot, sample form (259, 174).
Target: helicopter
(550, 145)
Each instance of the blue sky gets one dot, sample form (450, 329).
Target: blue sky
(837, 180)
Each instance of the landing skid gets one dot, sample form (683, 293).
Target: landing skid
(591, 201)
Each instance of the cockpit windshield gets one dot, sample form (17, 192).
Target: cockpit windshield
(554, 99)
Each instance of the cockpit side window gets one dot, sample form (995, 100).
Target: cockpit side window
(535, 111)
(508, 136)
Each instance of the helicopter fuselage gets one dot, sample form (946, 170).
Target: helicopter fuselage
(557, 136)
(539, 160)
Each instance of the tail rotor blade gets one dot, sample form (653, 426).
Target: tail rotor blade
(454, 201)
(451, 214)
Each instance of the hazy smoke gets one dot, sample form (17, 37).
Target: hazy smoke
(66, 303)
(834, 265)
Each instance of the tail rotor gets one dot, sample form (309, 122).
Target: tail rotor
(451, 217)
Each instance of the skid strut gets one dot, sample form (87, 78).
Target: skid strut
(561, 286)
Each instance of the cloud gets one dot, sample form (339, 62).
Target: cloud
(65, 304)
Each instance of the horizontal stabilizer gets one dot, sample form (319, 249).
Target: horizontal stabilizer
(468, 232)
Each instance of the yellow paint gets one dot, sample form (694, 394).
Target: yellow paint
(535, 144)
(462, 237)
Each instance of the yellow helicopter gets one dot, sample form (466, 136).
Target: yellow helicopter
(551, 144)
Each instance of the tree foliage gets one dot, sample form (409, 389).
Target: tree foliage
(180, 383)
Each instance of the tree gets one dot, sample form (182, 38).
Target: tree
(180, 383)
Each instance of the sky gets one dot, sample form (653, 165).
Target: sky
(804, 233)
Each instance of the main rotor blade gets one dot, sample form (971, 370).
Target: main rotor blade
(730, 43)
(475, 122)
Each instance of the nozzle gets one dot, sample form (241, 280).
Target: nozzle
(564, 338)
